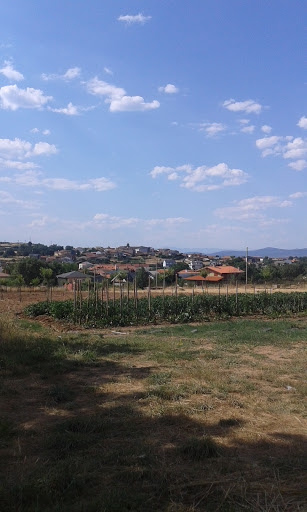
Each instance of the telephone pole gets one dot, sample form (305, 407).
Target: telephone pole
(246, 266)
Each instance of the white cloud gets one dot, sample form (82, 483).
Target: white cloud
(12, 98)
(21, 149)
(70, 74)
(70, 110)
(101, 88)
(109, 221)
(131, 19)
(212, 129)
(248, 129)
(248, 209)
(33, 178)
(302, 123)
(44, 132)
(43, 148)
(9, 72)
(296, 148)
(15, 148)
(270, 145)
(102, 184)
(266, 128)
(8, 199)
(299, 165)
(131, 104)
(14, 164)
(243, 121)
(116, 97)
(169, 89)
(298, 195)
(201, 179)
(108, 71)
(248, 106)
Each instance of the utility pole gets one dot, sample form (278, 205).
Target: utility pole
(246, 266)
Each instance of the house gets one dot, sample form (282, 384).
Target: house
(69, 279)
(85, 264)
(213, 279)
(195, 264)
(227, 273)
(168, 263)
(187, 273)
(196, 280)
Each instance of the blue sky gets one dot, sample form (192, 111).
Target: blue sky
(162, 123)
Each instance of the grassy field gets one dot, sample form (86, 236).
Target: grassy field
(173, 418)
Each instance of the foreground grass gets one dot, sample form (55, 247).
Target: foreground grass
(176, 419)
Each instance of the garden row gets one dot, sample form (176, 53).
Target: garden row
(182, 308)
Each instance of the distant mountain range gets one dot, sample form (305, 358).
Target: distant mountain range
(270, 252)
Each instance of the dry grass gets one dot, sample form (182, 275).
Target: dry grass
(179, 419)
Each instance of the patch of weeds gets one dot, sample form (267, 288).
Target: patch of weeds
(59, 393)
(7, 431)
(166, 392)
(203, 408)
(199, 449)
(237, 403)
(159, 378)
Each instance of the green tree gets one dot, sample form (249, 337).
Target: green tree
(141, 278)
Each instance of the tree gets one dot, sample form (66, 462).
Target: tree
(141, 278)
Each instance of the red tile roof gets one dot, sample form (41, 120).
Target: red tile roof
(223, 269)
(213, 279)
(194, 278)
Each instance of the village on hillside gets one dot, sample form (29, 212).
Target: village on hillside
(28, 264)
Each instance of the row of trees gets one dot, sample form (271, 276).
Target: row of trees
(33, 272)
(269, 272)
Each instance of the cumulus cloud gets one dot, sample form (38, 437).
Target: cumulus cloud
(70, 74)
(266, 128)
(9, 72)
(130, 19)
(117, 99)
(251, 208)
(202, 178)
(297, 148)
(70, 110)
(21, 149)
(32, 178)
(298, 195)
(248, 129)
(302, 123)
(15, 164)
(13, 98)
(272, 145)
(299, 165)
(114, 222)
(44, 132)
(288, 147)
(212, 129)
(169, 89)
(248, 106)
(131, 104)
(43, 148)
